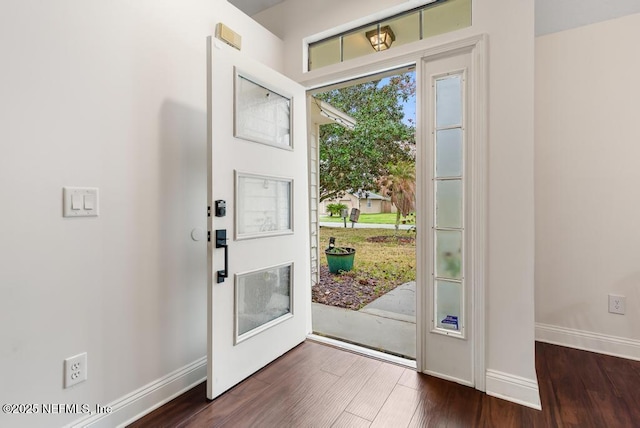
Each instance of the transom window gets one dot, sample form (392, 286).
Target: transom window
(441, 16)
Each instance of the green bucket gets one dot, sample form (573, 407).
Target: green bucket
(340, 261)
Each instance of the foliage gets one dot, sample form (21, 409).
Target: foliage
(336, 209)
(400, 185)
(356, 159)
(339, 251)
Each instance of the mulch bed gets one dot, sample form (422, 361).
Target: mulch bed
(344, 290)
(394, 239)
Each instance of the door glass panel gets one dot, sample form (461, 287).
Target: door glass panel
(262, 297)
(449, 203)
(262, 115)
(449, 153)
(449, 254)
(448, 101)
(263, 206)
(449, 297)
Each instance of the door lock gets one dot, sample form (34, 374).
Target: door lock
(221, 208)
(221, 242)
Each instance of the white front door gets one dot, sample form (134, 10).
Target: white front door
(259, 280)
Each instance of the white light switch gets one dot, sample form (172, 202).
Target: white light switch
(80, 201)
(76, 201)
(89, 202)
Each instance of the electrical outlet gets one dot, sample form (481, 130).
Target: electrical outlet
(75, 369)
(616, 304)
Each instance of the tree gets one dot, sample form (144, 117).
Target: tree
(400, 185)
(352, 160)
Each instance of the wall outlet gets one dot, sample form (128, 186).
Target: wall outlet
(75, 369)
(616, 304)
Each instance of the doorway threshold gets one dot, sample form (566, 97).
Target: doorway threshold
(372, 353)
(386, 332)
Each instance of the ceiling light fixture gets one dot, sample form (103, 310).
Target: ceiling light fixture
(381, 38)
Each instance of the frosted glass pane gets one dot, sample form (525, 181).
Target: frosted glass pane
(262, 115)
(449, 101)
(263, 206)
(445, 17)
(324, 53)
(405, 28)
(449, 203)
(449, 153)
(262, 297)
(449, 254)
(356, 44)
(448, 305)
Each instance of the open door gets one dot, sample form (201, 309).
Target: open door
(259, 280)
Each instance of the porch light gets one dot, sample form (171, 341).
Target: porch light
(381, 38)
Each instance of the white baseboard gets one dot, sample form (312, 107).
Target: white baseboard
(449, 378)
(133, 406)
(588, 341)
(513, 388)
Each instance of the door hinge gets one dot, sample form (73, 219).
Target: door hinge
(208, 236)
(208, 211)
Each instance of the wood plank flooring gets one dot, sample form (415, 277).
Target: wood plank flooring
(319, 386)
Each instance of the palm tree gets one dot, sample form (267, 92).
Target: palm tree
(400, 185)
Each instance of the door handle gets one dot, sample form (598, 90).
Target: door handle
(221, 242)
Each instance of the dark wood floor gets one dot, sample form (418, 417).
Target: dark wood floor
(318, 386)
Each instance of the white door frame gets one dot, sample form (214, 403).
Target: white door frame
(477, 46)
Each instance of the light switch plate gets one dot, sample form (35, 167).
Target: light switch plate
(86, 201)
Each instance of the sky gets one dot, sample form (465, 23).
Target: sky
(409, 106)
(410, 111)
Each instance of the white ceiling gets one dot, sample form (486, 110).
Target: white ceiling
(551, 15)
(251, 7)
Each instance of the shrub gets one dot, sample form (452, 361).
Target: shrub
(335, 209)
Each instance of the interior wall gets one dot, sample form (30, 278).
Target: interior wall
(587, 202)
(108, 94)
(510, 271)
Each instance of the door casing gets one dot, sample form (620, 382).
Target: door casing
(477, 162)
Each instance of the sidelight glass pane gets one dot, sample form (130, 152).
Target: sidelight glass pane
(449, 101)
(449, 254)
(449, 153)
(261, 298)
(449, 203)
(448, 305)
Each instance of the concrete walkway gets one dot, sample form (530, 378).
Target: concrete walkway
(399, 304)
(386, 324)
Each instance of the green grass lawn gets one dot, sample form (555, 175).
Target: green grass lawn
(383, 218)
(389, 263)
